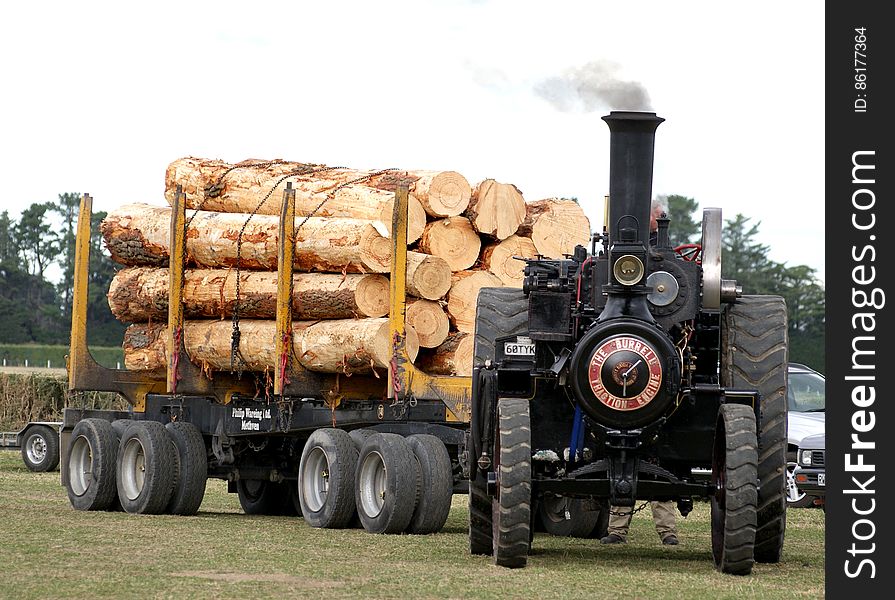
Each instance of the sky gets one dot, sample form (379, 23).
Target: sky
(100, 97)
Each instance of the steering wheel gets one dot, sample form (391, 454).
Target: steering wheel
(690, 252)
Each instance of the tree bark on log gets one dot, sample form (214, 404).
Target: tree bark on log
(496, 209)
(498, 259)
(429, 321)
(337, 346)
(454, 240)
(453, 357)
(139, 235)
(141, 293)
(555, 226)
(240, 187)
(464, 294)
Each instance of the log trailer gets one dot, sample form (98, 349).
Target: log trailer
(626, 373)
(389, 449)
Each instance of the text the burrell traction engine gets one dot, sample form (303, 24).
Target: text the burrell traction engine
(621, 373)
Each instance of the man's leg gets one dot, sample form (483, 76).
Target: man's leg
(664, 518)
(619, 522)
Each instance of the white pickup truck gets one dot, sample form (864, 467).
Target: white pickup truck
(39, 443)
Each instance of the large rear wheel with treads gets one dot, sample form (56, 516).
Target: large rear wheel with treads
(754, 355)
(387, 483)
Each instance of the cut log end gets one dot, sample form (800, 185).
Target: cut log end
(454, 240)
(500, 259)
(464, 294)
(496, 209)
(429, 321)
(443, 193)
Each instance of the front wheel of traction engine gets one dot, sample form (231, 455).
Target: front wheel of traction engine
(499, 312)
(511, 506)
(326, 479)
(754, 355)
(735, 483)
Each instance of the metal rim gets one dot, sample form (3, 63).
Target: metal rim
(315, 479)
(372, 484)
(133, 468)
(80, 466)
(711, 258)
(36, 448)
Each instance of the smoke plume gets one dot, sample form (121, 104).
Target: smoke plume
(595, 86)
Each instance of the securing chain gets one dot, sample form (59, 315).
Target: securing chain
(616, 513)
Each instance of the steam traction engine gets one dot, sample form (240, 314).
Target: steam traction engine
(629, 373)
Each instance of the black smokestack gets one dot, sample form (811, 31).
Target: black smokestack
(631, 145)
(595, 86)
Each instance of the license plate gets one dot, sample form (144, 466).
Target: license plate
(519, 349)
(822, 479)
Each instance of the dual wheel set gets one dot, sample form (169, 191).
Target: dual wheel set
(140, 467)
(384, 482)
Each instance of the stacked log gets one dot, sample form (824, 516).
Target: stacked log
(460, 240)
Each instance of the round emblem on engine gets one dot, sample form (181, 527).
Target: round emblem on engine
(625, 373)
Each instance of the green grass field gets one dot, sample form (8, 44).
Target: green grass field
(49, 550)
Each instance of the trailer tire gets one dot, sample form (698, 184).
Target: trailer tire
(91, 460)
(120, 426)
(511, 506)
(262, 497)
(190, 469)
(145, 471)
(326, 479)
(436, 484)
(754, 354)
(581, 521)
(387, 483)
(734, 479)
(40, 449)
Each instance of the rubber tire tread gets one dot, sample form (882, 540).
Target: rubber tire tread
(338, 510)
(499, 312)
(51, 441)
(103, 442)
(402, 486)
(735, 556)
(191, 469)
(755, 354)
(159, 468)
(436, 484)
(511, 508)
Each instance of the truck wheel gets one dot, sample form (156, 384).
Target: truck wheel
(262, 497)
(190, 469)
(734, 479)
(754, 354)
(145, 472)
(567, 517)
(40, 449)
(436, 484)
(511, 506)
(499, 312)
(326, 479)
(387, 483)
(91, 465)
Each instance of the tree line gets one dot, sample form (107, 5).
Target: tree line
(34, 309)
(746, 260)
